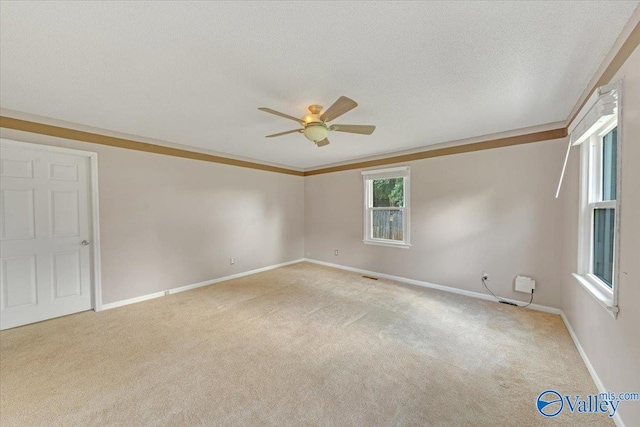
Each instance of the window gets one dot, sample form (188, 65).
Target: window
(602, 206)
(598, 222)
(386, 210)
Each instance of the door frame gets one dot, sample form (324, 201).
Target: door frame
(94, 223)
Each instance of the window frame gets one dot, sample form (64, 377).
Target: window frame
(591, 199)
(391, 173)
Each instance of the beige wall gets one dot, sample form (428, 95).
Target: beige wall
(490, 210)
(612, 345)
(167, 222)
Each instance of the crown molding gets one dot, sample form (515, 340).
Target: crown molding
(112, 141)
(453, 143)
(447, 151)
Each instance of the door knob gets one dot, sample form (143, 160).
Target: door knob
(85, 242)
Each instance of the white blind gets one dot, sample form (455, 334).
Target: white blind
(604, 104)
(597, 110)
(400, 172)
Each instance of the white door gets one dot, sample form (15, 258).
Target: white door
(45, 235)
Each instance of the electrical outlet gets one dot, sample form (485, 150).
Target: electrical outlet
(232, 261)
(335, 252)
(485, 275)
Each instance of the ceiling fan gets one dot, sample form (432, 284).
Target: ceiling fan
(314, 125)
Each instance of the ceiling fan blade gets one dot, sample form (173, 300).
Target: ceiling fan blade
(341, 106)
(361, 129)
(285, 133)
(278, 113)
(322, 143)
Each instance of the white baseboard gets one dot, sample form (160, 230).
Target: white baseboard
(141, 298)
(594, 375)
(590, 368)
(193, 286)
(450, 289)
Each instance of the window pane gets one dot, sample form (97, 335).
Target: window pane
(609, 164)
(603, 237)
(388, 192)
(387, 224)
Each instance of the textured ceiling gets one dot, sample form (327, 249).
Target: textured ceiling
(195, 73)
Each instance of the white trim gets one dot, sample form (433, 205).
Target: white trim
(171, 291)
(95, 229)
(111, 305)
(369, 176)
(388, 243)
(619, 166)
(391, 172)
(589, 190)
(96, 285)
(599, 293)
(592, 371)
(450, 289)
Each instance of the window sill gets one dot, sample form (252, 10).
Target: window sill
(387, 243)
(604, 299)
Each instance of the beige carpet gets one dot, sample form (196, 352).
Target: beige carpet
(300, 345)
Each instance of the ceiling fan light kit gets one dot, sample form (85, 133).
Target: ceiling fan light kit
(315, 126)
(316, 131)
